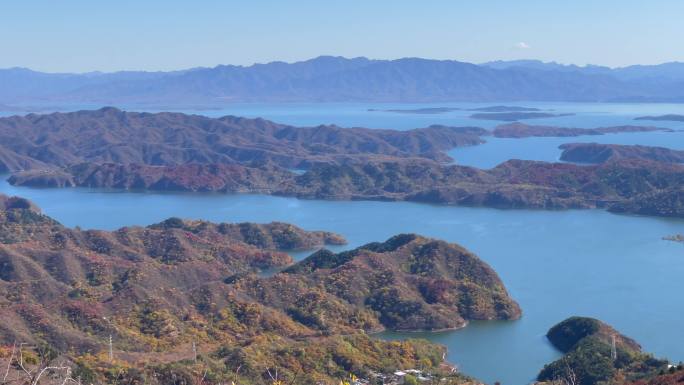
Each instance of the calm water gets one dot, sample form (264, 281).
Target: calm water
(498, 150)
(555, 263)
(587, 115)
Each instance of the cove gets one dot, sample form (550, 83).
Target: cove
(498, 150)
(554, 263)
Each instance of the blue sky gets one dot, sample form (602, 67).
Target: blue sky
(107, 35)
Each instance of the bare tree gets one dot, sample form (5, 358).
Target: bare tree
(278, 381)
(570, 377)
(42, 370)
(9, 362)
(235, 377)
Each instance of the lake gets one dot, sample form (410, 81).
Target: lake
(554, 263)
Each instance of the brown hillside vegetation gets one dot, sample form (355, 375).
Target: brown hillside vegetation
(600, 153)
(159, 289)
(169, 139)
(177, 152)
(629, 186)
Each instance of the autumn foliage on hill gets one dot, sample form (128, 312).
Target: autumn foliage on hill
(185, 300)
(595, 353)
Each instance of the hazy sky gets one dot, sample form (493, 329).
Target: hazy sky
(107, 35)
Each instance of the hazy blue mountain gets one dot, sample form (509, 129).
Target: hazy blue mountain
(673, 71)
(19, 84)
(546, 66)
(665, 71)
(329, 78)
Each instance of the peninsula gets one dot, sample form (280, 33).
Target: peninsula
(595, 353)
(181, 298)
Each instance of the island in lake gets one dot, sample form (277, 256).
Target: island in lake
(182, 297)
(675, 238)
(505, 109)
(442, 110)
(515, 116)
(426, 110)
(522, 130)
(665, 118)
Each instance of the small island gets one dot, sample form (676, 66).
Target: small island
(504, 109)
(515, 116)
(521, 130)
(674, 238)
(442, 110)
(426, 111)
(664, 118)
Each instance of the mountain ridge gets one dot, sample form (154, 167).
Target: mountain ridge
(338, 79)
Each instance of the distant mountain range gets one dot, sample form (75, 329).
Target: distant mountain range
(340, 79)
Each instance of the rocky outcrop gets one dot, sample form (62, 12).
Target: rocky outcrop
(600, 153)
